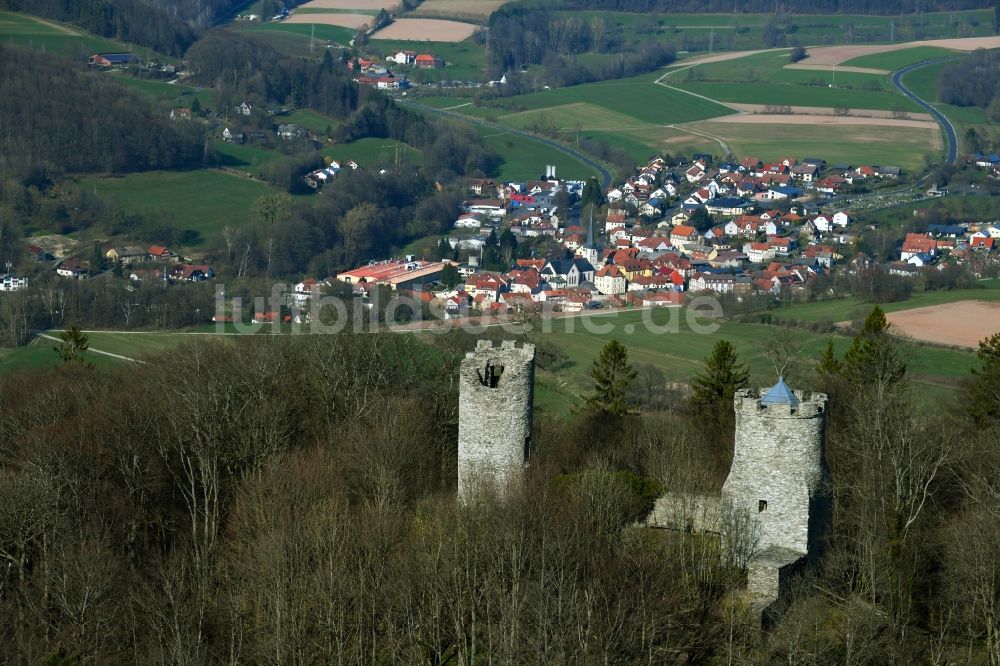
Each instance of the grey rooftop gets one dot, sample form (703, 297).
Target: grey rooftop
(779, 394)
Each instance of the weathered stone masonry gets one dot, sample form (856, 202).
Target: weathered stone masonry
(496, 392)
(778, 481)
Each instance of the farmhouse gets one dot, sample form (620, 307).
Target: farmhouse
(127, 255)
(113, 59)
(71, 268)
(428, 61)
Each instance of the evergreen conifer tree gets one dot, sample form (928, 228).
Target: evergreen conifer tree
(874, 356)
(983, 399)
(73, 344)
(612, 375)
(713, 389)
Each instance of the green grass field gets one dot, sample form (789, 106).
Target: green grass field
(66, 40)
(526, 159)
(795, 95)
(923, 82)
(372, 152)
(681, 354)
(202, 200)
(296, 37)
(846, 309)
(853, 144)
(245, 158)
(307, 118)
(636, 97)
(894, 60)
(769, 67)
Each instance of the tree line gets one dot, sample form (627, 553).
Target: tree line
(527, 35)
(879, 7)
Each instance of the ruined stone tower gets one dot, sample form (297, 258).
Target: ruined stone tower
(778, 474)
(779, 481)
(496, 390)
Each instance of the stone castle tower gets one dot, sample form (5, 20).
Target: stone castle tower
(779, 476)
(496, 391)
(775, 503)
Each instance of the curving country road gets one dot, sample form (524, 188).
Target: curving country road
(555, 145)
(949, 129)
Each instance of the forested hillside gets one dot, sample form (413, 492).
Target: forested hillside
(291, 499)
(973, 81)
(54, 113)
(125, 20)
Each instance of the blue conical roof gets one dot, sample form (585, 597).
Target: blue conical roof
(779, 394)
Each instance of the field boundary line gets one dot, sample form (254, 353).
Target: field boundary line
(659, 82)
(718, 140)
(96, 351)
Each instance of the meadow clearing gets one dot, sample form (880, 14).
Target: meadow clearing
(201, 200)
(34, 32)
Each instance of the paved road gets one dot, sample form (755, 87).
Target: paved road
(555, 145)
(949, 129)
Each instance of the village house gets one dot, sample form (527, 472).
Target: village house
(916, 244)
(681, 236)
(126, 255)
(610, 280)
(71, 268)
(13, 283)
(720, 283)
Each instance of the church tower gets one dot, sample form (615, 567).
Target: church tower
(496, 391)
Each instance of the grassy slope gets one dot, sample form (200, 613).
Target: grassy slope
(204, 200)
(852, 144)
(924, 83)
(769, 67)
(636, 97)
(525, 159)
(894, 60)
(296, 36)
(373, 152)
(680, 355)
(26, 30)
(796, 95)
(845, 309)
(245, 158)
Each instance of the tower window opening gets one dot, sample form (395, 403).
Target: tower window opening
(761, 506)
